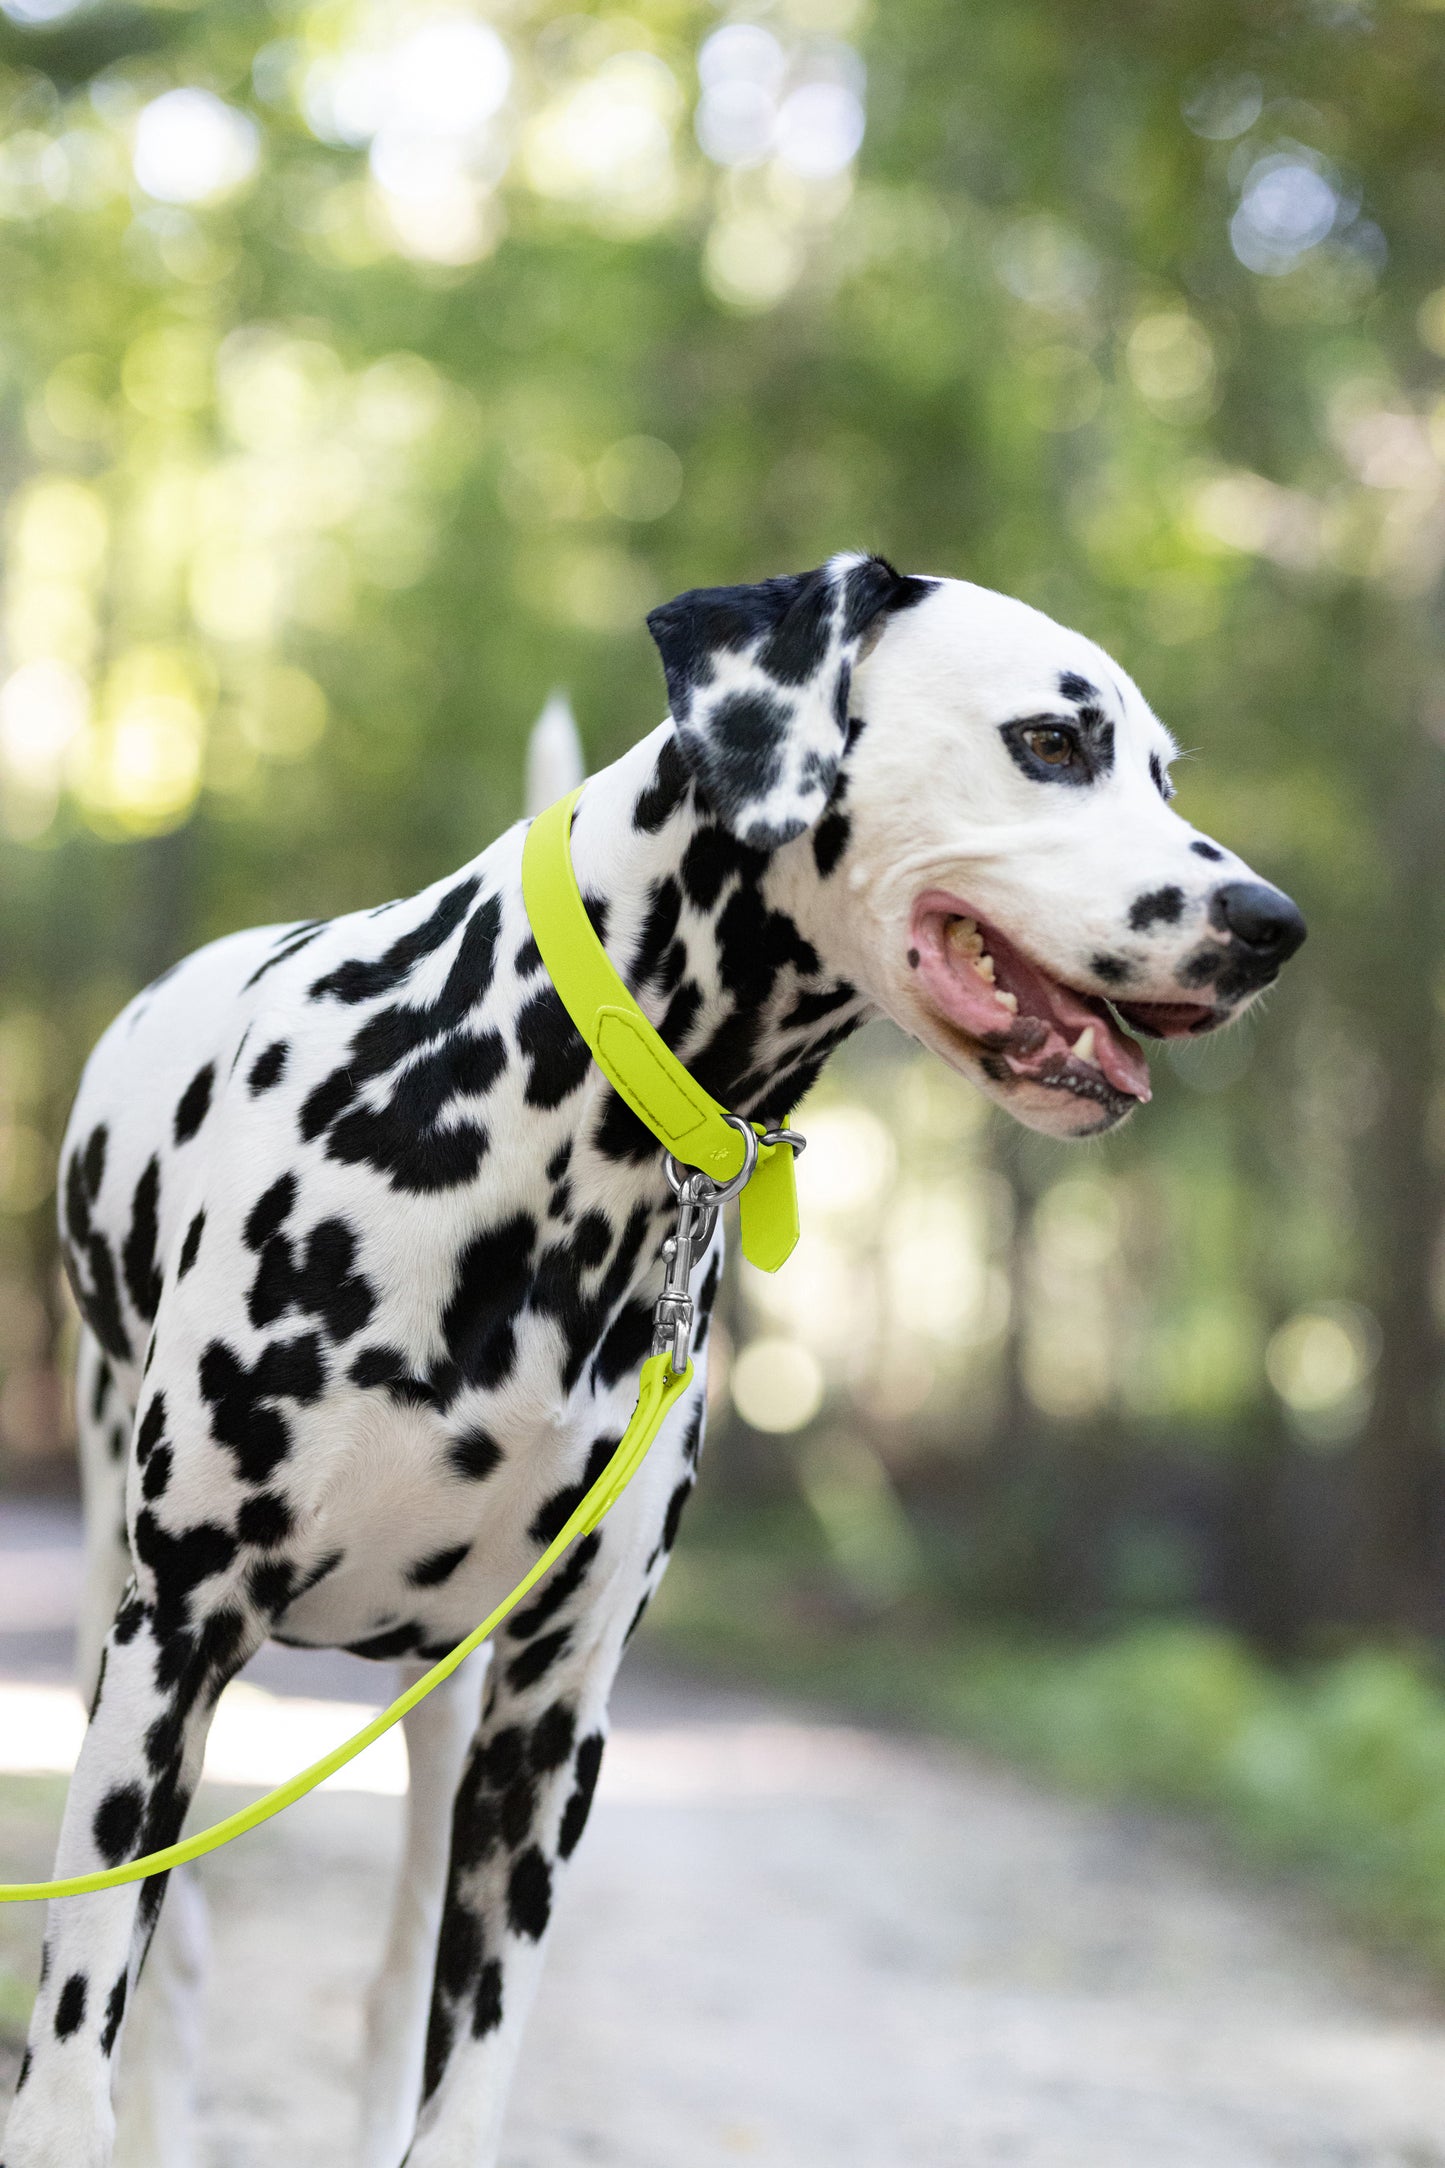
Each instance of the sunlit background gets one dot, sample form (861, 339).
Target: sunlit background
(368, 370)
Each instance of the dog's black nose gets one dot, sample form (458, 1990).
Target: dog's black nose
(1260, 918)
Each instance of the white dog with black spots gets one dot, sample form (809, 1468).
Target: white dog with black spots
(366, 1250)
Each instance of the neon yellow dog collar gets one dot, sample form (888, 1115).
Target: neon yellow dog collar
(634, 1059)
(697, 1131)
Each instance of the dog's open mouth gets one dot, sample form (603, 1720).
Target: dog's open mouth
(1030, 1024)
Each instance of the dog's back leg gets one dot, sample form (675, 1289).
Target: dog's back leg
(155, 2088)
(103, 1418)
(439, 1732)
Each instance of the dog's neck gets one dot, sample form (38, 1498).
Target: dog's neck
(722, 945)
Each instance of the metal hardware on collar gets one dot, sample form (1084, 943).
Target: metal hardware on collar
(674, 1313)
(720, 1192)
(793, 1137)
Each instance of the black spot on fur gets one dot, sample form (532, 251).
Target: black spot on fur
(675, 1507)
(536, 1660)
(665, 793)
(271, 1585)
(268, 1068)
(625, 1345)
(710, 858)
(291, 943)
(1113, 970)
(591, 1239)
(518, 1808)
(561, 1583)
(811, 1008)
(830, 840)
(194, 1103)
(114, 2012)
(554, 1049)
(242, 1416)
(490, 1287)
(142, 1275)
(439, 1566)
(659, 929)
(1210, 851)
(438, 2047)
(403, 1138)
(705, 1300)
(529, 1895)
(528, 959)
(322, 1284)
(387, 1366)
(117, 1822)
(93, 1163)
(87, 1254)
(561, 1159)
(325, 1101)
(1161, 907)
(558, 1289)
(264, 1520)
(190, 1248)
(551, 1518)
(1076, 688)
(364, 981)
(474, 1455)
(382, 1648)
(70, 2009)
(487, 2008)
(459, 1950)
(271, 1210)
(158, 1473)
(150, 1428)
(1159, 778)
(579, 1806)
(552, 1738)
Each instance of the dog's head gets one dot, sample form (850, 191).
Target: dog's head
(993, 858)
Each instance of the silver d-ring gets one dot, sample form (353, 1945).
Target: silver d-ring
(719, 1192)
(792, 1137)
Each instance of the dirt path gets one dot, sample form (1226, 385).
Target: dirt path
(792, 1945)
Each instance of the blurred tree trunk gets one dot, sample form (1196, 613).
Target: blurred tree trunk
(1399, 1556)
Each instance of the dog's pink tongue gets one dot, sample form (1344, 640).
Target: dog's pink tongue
(1121, 1058)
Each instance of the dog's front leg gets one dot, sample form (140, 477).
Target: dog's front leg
(520, 1809)
(138, 1766)
(438, 1733)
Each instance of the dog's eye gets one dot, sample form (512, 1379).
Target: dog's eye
(1055, 748)
(1049, 751)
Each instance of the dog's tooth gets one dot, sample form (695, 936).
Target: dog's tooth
(1083, 1048)
(1006, 1001)
(964, 936)
(983, 965)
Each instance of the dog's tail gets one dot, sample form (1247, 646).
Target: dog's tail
(555, 761)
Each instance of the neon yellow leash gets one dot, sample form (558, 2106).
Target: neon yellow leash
(697, 1132)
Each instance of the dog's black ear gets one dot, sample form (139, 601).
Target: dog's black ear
(758, 680)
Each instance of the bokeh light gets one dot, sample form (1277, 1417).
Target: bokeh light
(191, 147)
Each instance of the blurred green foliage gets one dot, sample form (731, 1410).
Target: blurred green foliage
(369, 367)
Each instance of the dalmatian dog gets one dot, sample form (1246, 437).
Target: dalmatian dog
(366, 1250)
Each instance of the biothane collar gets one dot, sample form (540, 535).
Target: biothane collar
(640, 1067)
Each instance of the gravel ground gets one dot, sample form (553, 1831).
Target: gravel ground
(795, 1945)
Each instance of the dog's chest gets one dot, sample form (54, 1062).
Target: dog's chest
(413, 1520)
